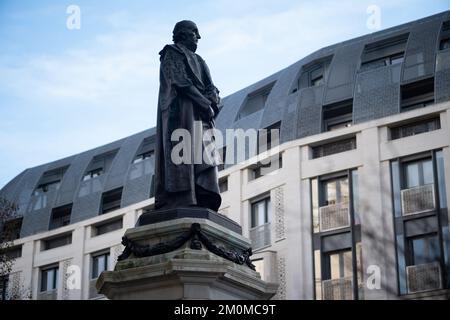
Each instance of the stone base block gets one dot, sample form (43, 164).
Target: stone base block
(184, 259)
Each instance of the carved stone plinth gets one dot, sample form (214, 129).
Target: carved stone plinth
(184, 258)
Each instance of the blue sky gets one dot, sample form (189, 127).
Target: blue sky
(66, 91)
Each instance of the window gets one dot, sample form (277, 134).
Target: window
(335, 191)
(93, 174)
(49, 278)
(338, 115)
(418, 184)
(384, 53)
(338, 264)
(337, 236)
(260, 212)
(146, 150)
(334, 147)
(223, 185)
(314, 74)
(255, 101)
(50, 180)
(417, 127)
(99, 165)
(60, 217)
(111, 200)
(108, 226)
(260, 169)
(418, 173)
(417, 94)
(260, 223)
(444, 42)
(423, 249)
(100, 263)
(56, 242)
(11, 229)
(265, 137)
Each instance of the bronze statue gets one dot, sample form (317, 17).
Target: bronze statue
(187, 95)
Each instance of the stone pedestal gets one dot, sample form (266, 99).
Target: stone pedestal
(198, 254)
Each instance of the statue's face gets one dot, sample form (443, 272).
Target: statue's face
(191, 33)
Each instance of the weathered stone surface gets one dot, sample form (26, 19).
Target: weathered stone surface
(184, 273)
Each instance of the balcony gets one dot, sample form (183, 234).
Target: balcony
(337, 289)
(260, 236)
(424, 277)
(418, 199)
(335, 216)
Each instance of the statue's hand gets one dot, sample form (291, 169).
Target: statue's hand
(213, 95)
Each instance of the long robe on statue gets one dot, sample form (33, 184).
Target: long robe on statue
(185, 85)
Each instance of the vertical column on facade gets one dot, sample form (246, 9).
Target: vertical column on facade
(374, 222)
(306, 231)
(297, 246)
(24, 264)
(72, 268)
(239, 210)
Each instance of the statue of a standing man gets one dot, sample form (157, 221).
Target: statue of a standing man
(187, 96)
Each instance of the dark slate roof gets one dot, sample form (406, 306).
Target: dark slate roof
(375, 94)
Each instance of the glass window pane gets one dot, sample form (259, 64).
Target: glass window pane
(268, 211)
(317, 274)
(101, 264)
(412, 175)
(335, 266)
(428, 172)
(355, 196)
(315, 204)
(55, 282)
(343, 196)
(44, 281)
(348, 266)
(260, 212)
(95, 268)
(441, 179)
(425, 250)
(50, 279)
(330, 193)
(396, 187)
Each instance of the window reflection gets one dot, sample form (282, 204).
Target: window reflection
(100, 263)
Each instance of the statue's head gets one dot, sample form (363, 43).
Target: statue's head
(186, 33)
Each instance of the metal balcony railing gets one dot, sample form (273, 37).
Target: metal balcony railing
(260, 236)
(424, 277)
(418, 199)
(334, 216)
(337, 289)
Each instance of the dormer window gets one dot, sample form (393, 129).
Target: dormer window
(444, 39)
(338, 115)
(99, 165)
(313, 74)
(255, 101)
(384, 53)
(93, 174)
(146, 150)
(50, 180)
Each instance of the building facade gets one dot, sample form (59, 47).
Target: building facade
(356, 209)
